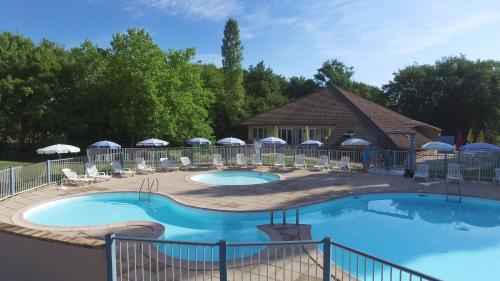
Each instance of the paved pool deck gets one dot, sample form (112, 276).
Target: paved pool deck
(297, 188)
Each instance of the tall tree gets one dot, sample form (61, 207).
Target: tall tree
(454, 93)
(231, 103)
(298, 87)
(334, 73)
(264, 89)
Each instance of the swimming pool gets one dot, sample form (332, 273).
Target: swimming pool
(451, 241)
(235, 178)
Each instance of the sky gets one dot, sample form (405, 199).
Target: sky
(293, 37)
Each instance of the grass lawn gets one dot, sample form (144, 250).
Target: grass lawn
(6, 164)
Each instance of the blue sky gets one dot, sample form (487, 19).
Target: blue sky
(293, 37)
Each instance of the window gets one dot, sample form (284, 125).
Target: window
(259, 133)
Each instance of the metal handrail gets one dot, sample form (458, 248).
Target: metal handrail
(142, 185)
(383, 261)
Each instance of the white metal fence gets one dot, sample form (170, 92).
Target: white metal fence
(151, 259)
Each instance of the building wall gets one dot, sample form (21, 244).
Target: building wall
(28, 259)
(317, 132)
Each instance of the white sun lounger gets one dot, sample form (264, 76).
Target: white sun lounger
(280, 161)
(142, 168)
(241, 161)
(323, 162)
(344, 163)
(92, 172)
(422, 172)
(256, 161)
(167, 165)
(186, 163)
(71, 176)
(120, 171)
(299, 161)
(217, 161)
(454, 173)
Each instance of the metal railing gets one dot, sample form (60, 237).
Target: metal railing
(141, 259)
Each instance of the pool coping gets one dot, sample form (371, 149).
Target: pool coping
(91, 242)
(280, 177)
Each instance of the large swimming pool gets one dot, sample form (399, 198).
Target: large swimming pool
(452, 241)
(235, 178)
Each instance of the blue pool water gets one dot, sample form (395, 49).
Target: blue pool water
(235, 178)
(452, 241)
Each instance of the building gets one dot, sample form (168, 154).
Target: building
(334, 114)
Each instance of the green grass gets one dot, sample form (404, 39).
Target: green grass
(6, 164)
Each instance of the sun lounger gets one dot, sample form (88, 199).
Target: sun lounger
(186, 163)
(256, 160)
(241, 161)
(299, 161)
(280, 161)
(217, 161)
(71, 176)
(344, 163)
(323, 162)
(92, 172)
(142, 168)
(120, 171)
(167, 165)
(422, 172)
(454, 173)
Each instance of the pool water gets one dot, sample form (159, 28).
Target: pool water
(449, 240)
(235, 178)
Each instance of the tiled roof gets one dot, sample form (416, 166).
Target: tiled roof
(346, 112)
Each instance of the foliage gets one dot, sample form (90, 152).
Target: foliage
(230, 105)
(454, 93)
(298, 87)
(264, 89)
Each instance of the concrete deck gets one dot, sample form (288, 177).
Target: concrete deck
(297, 188)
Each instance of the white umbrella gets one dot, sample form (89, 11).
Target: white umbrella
(58, 149)
(355, 142)
(152, 142)
(230, 141)
(311, 143)
(439, 146)
(198, 141)
(272, 140)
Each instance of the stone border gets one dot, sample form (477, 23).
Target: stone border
(280, 178)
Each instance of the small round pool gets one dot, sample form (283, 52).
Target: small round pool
(235, 178)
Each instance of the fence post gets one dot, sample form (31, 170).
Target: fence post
(222, 260)
(326, 258)
(110, 257)
(12, 183)
(47, 170)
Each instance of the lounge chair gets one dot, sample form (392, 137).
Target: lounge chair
(454, 173)
(497, 176)
(186, 163)
(142, 168)
(280, 161)
(92, 172)
(217, 161)
(167, 165)
(120, 171)
(344, 163)
(241, 161)
(71, 176)
(422, 172)
(323, 162)
(299, 161)
(256, 160)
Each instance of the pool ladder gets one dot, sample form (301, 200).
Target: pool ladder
(147, 186)
(459, 194)
(271, 216)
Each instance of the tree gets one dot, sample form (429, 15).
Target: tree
(230, 105)
(264, 89)
(298, 87)
(334, 73)
(454, 93)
